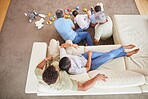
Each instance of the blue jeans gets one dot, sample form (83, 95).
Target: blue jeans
(83, 36)
(99, 58)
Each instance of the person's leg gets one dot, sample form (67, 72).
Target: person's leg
(88, 39)
(94, 55)
(83, 36)
(106, 57)
(77, 39)
(128, 54)
(79, 30)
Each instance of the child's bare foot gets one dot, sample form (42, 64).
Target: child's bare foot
(128, 54)
(130, 46)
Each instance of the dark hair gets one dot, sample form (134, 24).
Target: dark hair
(65, 64)
(59, 13)
(75, 13)
(97, 8)
(50, 75)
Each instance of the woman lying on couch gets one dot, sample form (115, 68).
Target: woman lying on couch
(60, 80)
(87, 61)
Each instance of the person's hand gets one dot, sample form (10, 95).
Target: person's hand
(49, 58)
(89, 53)
(75, 45)
(101, 77)
(63, 45)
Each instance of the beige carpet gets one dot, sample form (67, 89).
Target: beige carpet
(18, 35)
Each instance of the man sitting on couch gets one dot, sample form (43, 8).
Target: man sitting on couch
(60, 79)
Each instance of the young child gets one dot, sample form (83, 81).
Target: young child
(81, 19)
(97, 15)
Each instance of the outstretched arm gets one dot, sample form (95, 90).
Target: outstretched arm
(88, 84)
(88, 64)
(42, 63)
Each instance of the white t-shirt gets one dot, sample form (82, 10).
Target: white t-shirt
(78, 63)
(83, 21)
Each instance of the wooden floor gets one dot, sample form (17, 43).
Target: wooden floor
(4, 4)
(142, 6)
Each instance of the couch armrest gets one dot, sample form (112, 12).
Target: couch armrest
(39, 50)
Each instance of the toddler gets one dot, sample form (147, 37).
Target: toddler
(81, 19)
(97, 15)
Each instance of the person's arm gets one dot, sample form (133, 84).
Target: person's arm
(71, 23)
(88, 84)
(103, 22)
(75, 22)
(88, 13)
(65, 45)
(42, 63)
(88, 64)
(73, 27)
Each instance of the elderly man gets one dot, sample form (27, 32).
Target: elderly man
(65, 29)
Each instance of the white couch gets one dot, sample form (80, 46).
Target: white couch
(125, 76)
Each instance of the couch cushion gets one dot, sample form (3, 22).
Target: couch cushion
(117, 63)
(118, 78)
(75, 51)
(132, 27)
(53, 48)
(144, 72)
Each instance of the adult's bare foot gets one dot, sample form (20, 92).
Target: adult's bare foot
(128, 54)
(130, 46)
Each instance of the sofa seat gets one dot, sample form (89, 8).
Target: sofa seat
(116, 78)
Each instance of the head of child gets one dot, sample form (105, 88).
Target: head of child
(50, 75)
(59, 13)
(97, 8)
(75, 13)
(65, 64)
